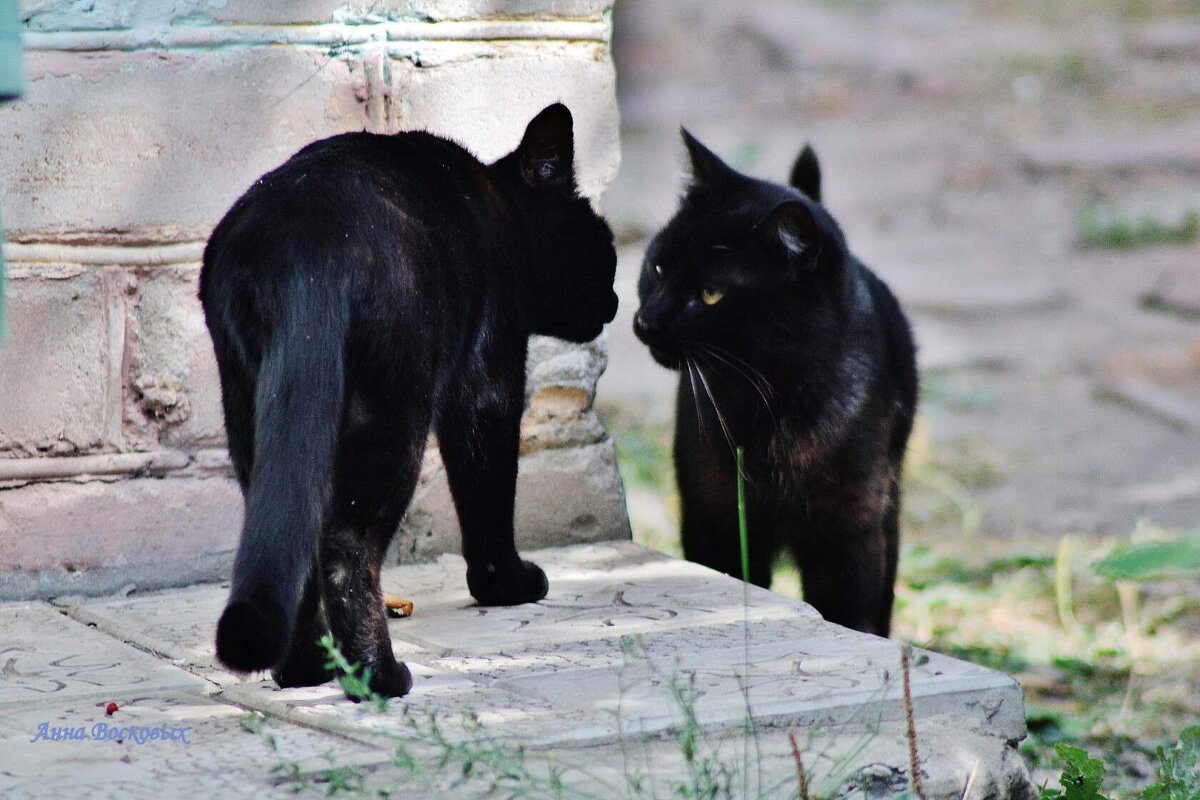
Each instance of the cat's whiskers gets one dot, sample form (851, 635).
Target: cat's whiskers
(750, 378)
(695, 400)
(764, 381)
(716, 408)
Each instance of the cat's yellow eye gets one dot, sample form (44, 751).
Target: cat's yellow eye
(711, 296)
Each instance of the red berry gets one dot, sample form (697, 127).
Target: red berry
(110, 709)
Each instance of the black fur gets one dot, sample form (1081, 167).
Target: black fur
(791, 348)
(371, 288)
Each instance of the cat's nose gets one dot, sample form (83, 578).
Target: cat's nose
(644, 328)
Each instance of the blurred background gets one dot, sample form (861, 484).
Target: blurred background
(1025, 175)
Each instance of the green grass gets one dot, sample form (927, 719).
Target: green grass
(1100, 226)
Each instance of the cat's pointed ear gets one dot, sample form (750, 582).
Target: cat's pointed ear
(806, 173)
(547, 153)
(792, 227)
(707, 167)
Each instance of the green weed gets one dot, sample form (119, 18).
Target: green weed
(1102, 227)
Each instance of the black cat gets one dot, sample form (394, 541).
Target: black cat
(789, 347)
(367, 290)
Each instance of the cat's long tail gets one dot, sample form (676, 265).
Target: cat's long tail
(297, 410)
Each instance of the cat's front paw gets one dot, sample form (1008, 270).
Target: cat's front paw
(493, 585)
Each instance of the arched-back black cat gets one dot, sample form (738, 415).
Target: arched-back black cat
(367, 290)
(788, 346)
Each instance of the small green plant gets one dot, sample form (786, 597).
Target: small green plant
(1178, 774)
(1151, 560)
(354, 679)
(1102, 227)
(1082, 776)
(1178, 769)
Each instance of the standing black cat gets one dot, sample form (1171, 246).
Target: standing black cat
(789, 347)
(367, 290)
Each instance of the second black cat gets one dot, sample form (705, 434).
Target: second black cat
(788, 346)
(371, 288)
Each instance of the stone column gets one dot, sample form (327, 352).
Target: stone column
(141, 124)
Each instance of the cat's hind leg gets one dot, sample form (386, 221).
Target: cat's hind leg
(378, 463)
(844, 566)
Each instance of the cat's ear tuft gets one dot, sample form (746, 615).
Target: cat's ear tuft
(707, 167)
(792, 227)
(806, 173)
(547, 153)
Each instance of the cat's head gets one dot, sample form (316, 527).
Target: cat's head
(567, 287)
(745, 267)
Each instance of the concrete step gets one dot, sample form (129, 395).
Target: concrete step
(629, 649)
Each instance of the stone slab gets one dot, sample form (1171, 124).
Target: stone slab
(599, 659)
(600, 591)
(1163, 380)
(453, 699)
(172, 381)
(1168, 147)
(956, 762)
(1177, 289)
(820, 678)
(55, 361)
(1166, 39)
(61, 530)
(178, 625)
(220, 757)
(598, 673)
(46, 658)
(166, 109)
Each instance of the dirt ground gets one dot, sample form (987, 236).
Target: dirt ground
(1025, 174)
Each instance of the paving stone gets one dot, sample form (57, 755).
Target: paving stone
(47, 658)
(953, 758)
(1169, 147)
(1163, 381)
(453, 699)
(567, 660)
(1166, 39)
(822, 678)
(942, 346)
(588, 676)
(596, 591)
(178, 625)
(1177, 289)
(995, 288)
(213, 756)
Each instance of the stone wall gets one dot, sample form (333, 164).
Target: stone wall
(142, 122)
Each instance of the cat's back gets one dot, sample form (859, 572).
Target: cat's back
(355, 202)
(353, 173)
